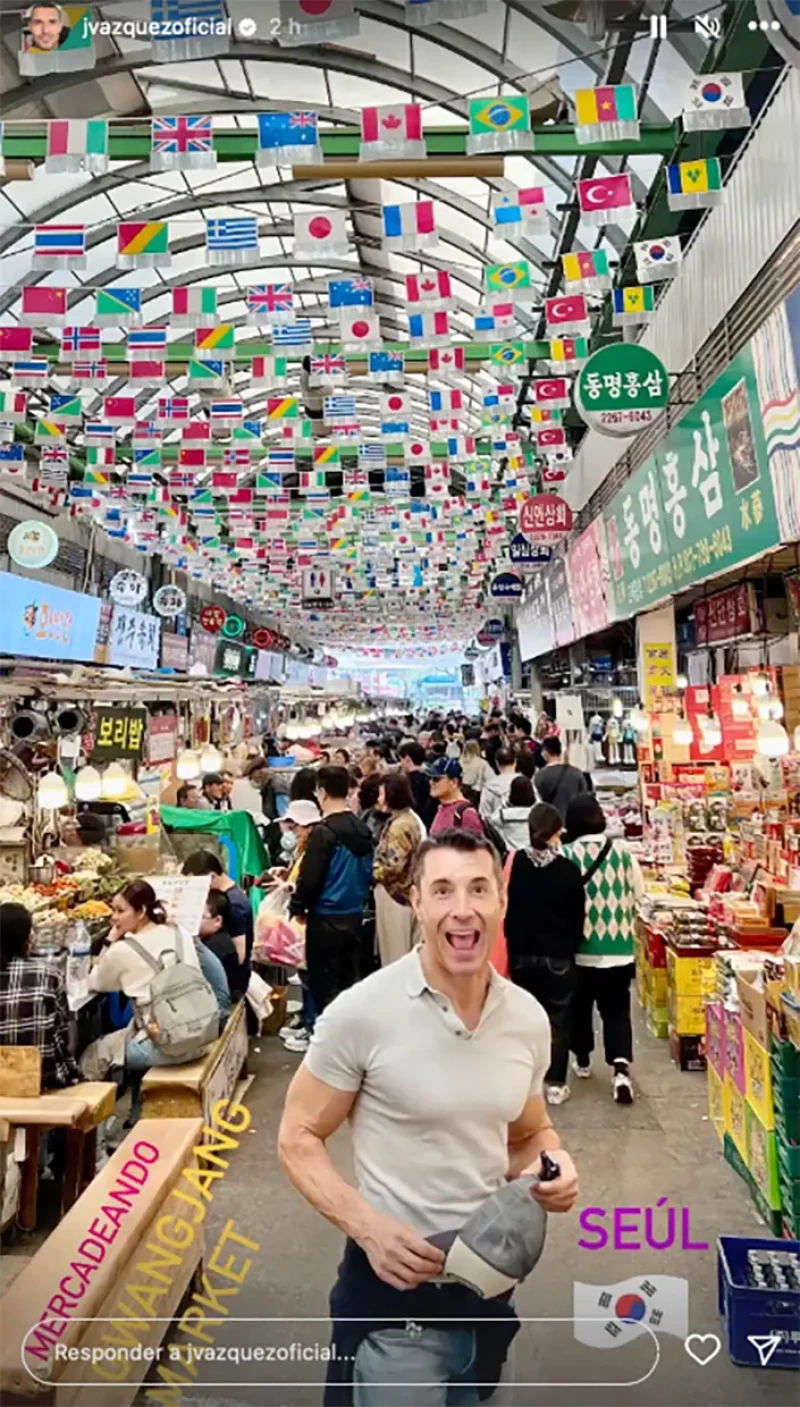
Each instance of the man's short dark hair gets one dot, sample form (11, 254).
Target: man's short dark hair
(368, 793)
(202, 862)
(334, 781)
(15, 930)
(212, 779)
(524, 725)
(303, 785)
(504, 757)
(465, 842)
(218, 906)
(552, 746)
(414, 751)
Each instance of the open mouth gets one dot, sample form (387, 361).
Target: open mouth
(463, 939)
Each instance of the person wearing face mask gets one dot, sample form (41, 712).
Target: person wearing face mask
(544, 929)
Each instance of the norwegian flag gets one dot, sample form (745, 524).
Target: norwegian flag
(392, 132)
(89, 371)
(182, 143)
(181, 480)
(146, 434)
(270, 302)
(431, 288)
(80, 340)
(172, 409)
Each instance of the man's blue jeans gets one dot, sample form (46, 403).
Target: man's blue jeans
(429, 1368)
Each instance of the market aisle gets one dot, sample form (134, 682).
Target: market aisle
(663, 1146)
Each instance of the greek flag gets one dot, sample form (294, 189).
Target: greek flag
(232, 241)
(295, 334)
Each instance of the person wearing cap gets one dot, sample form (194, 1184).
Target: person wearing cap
(211, 793)
(438, 1063)
(453, 811)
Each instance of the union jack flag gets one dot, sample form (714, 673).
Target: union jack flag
(329, 364)
(173, 135)
(267, 298)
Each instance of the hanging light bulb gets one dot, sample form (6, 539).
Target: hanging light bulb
(682, 734)
(640, 718)
(53, 792)
(681, 682)
(770, 707)
(188, 765)
(616, 708)
(712, 730)
(772, 739)
(210, 758)
(760, 684)
(740, 708)
(115, 782)
(87, 784)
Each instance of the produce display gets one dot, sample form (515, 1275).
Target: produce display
(80, 896)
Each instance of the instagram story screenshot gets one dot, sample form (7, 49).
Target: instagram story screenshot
(399, 520)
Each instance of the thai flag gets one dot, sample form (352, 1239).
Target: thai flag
(281, 458)
(267, 298)
(99, 432)
(147, 339)
(58, 241)
(225, 411)
(30, 372)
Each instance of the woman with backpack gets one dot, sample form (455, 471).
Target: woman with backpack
(544, 930)
(149, 959)
(613, 885)
(511, 820)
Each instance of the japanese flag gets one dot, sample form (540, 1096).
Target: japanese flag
(610, 1316)
(322, 232)
(417, 451)
(360, 327)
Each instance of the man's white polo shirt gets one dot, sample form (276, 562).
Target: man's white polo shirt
(430, 1124)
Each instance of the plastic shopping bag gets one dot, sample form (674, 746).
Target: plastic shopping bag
(279, 938)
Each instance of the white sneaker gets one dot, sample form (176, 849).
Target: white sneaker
(294, 980)
(556, 1094)
(291, 1028)
(293, 1007)
(583, 1072)
(297, 1041)
(623, 1087)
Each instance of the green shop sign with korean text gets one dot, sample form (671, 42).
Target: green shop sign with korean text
(622, 389)
(702, 503)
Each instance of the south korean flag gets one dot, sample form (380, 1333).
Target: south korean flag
(610, 1316)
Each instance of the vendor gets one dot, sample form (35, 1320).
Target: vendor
(33, 1000)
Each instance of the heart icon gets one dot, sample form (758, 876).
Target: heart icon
(702, 1347)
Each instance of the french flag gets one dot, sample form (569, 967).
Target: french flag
(425, 326)
(409, 225)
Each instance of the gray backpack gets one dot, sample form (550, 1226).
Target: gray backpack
(182, 1016)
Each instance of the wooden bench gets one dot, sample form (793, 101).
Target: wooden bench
(192, 1090)
(57, 1299)
(79, 1110)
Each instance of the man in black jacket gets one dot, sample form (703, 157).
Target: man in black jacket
(558, 781)
(332, 888)
(412, 759)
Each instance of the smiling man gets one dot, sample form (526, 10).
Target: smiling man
(47, 26)
(438, 1063)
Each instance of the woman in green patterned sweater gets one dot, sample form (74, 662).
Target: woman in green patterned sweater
(613, 884)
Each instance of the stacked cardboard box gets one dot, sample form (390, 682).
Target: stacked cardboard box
(772, 1102)
(691, 980)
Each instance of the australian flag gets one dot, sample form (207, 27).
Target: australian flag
(287, 138)
(350, 293)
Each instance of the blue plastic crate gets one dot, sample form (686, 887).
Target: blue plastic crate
(746, 1310)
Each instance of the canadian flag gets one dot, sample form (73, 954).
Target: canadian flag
(433, 288)
(446, 360)
(393, 131)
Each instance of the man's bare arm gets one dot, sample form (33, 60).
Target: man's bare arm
(531, 1135)
(312, 1114)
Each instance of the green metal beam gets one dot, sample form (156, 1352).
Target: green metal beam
(131, 141)
(179, 353)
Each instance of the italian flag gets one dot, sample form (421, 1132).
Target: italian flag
(77, 144)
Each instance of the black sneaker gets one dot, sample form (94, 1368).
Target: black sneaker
(623, 1087)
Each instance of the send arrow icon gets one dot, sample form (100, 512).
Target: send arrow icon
(765, 1345)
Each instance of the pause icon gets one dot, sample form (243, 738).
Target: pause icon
(658, 26)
